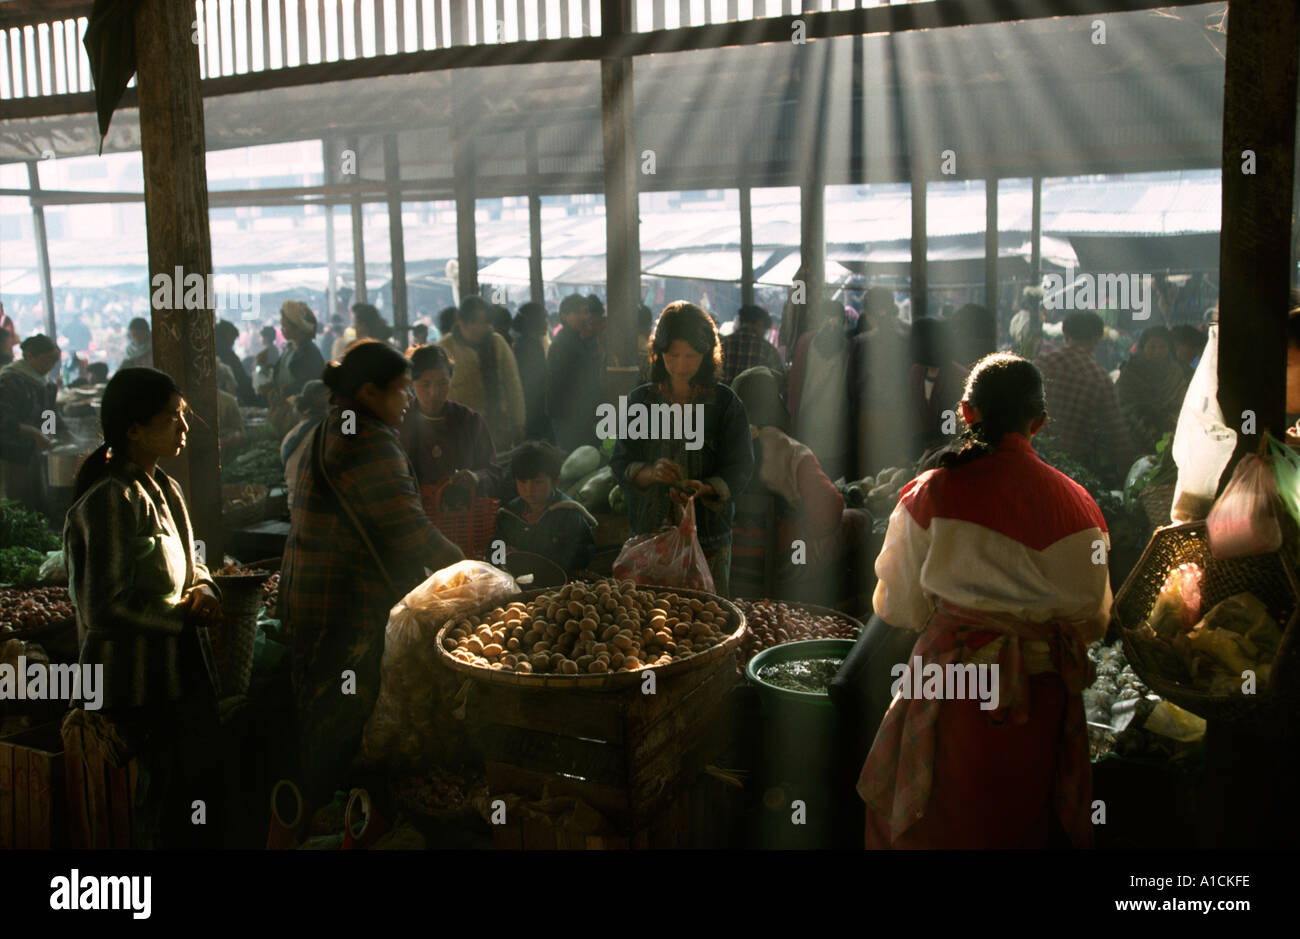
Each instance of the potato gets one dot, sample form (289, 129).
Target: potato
(492, 650)
(585, 660)
(524, 668)
(457, 633)
(631, 663)
(513, 643)
(556, 659)
(681, 630)
(510, 661)
(573, 627)
(574, 608)
(609, 633)
(540, 661)
(586, 636)
(616, 660)
(568, 667)
(695, 604)
(623, 641)
(474, 645)
(449, 644)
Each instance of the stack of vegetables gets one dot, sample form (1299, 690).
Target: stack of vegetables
(587, 477)
(259, 462)
(25, 540)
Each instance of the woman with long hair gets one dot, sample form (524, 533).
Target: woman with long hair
(139, 589)
(358, 542)
(1151, 388)
(993, 559)
(658, 475)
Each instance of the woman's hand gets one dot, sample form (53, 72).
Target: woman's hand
(690, 489)
(204, 607)
(661, 471)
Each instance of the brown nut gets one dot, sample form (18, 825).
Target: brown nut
(616, 660)
(541, 661)
(449, 643)
(597, 667)
(568, 667)
(513, 643)
(587, 636)
(609, 633)
(556, 659)
(492, 650)
(474, 645)
(583, 661)
(524, 668)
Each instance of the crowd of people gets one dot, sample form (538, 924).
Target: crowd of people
(495, 405)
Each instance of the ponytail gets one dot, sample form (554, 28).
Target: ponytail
(92, 469)
(1007, 390)
(132, 396)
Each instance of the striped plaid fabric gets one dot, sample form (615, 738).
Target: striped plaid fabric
(334, 600)
(898, 773)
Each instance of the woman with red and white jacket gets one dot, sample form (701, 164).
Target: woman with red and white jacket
(996, 559)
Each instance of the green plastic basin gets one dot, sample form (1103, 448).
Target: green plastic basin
(778, 699)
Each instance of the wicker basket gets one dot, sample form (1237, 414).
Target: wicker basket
(607, 680)
(1157, 502)
(470, 528)
(232, 639)
(1270, 577)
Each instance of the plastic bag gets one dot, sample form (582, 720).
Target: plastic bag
(1178, 605)
(1244, 520)
(670, 557)
(1203, 444)
(412, 724)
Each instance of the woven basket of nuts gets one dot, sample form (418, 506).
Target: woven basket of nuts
(591, 635)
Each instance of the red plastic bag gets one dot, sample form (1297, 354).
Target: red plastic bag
(1244, 521)
(670, 557)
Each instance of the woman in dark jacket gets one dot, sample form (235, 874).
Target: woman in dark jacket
(359, 541)
(140, 588)
(714, 462)
(530, 357)
(26, 395)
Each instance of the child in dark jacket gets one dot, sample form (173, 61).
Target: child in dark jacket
(543, 520)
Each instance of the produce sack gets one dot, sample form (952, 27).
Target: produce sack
(413, 725)
(1203, 444)
(1244, 520)
(670, 557)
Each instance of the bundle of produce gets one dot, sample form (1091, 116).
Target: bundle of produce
(258, 463)
(772, 623)
(879, 493)
(271, 594)
(34, 608)
(590, 628)
(441, 792)
(25, 537)
(418, 720)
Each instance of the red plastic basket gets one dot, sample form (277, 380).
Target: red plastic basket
(470, 528)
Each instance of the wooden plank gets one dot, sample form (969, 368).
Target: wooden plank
(419, 24)
(339, 30)
(22, 817)
(400, 25)
(577, 714)
(991, 244)
(6, 797)
(1255, 266)
(746, 246)
(75, 785)
(590, 761)
(320, 31)
(302, 31)
(1036, 233)
(440, 38)
(521, 7)
(684, 13)
(358, 47)
(609, 801)
(920, 245)
(396, 242)
(283, 7)
(39, 770)
(266, 34)
(565, 31)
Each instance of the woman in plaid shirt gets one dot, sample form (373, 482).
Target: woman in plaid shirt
(358, 542)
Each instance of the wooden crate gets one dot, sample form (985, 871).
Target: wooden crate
(101, 797)
(628, 755)
(33, 806)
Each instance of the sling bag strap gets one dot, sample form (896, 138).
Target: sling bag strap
(318, 445)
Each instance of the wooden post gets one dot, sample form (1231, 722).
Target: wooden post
(622, 218)
(1259, 122)
(536, 280)
(991, 243)
(462, 87)
(1036, 239)
(176, 213)
(329, 162)
(392, 175)
(812, 236)
(746, 246)
(42, 251)
(920, 244)
(358, 227)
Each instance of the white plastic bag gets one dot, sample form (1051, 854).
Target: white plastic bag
(1203, 444)
(412, 724)
(1245, 519)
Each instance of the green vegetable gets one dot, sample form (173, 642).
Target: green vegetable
(809, 675)
(581, 462)
(21, 527)
(618, 500)
(595, 491)
(20, 565)
(260, 463)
